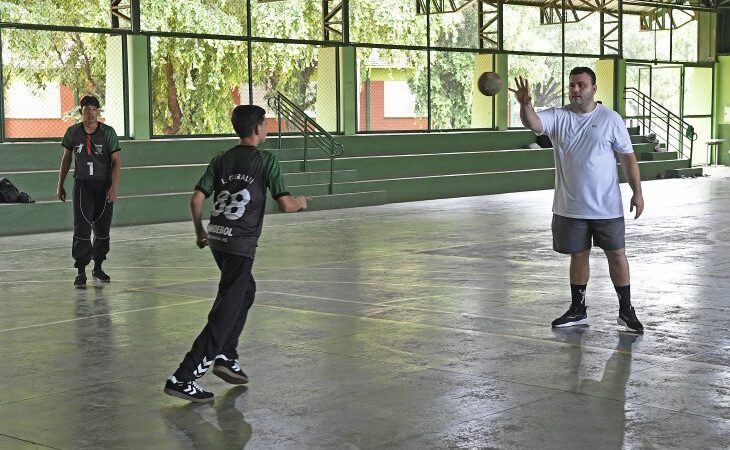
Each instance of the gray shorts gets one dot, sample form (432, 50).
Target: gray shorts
(574, 235)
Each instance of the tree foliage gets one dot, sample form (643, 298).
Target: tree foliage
(195, 82)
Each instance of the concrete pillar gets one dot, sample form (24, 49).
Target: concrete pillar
(620, 86)
(502, 98)
(348, 90)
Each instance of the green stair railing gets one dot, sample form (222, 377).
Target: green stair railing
(314, 135)
(654, 118)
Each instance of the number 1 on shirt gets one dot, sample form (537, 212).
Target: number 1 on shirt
(91, 168)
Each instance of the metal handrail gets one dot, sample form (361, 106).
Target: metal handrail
(313, 133)
(655, 117)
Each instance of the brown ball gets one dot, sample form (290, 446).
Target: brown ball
(489, 83)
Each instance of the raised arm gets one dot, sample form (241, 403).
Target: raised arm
(529, 117)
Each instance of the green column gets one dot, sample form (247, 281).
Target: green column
(722, 109)
(620, 86)
(502, 98)
(348, 90)
(139, 87)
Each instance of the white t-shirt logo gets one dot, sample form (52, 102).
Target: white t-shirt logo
(231, 205)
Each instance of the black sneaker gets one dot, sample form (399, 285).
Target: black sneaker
(187, 390)
(80, 281)
(229, 370)
(627, 318)
(100, 275)
(576, 315)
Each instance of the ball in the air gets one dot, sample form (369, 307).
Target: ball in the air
(489, 83)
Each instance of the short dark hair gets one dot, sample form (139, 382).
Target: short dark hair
(245, 118)
(588, 70)
(89, 100)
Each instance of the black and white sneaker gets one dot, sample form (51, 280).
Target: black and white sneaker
(627, 318)
(576, 315)
(229, 370)
(100, 276)
(80, 281)
(187, 390)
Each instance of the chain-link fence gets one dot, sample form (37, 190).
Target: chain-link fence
(45, 73)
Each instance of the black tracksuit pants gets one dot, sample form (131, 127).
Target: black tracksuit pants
(91, 213)
(236, 292)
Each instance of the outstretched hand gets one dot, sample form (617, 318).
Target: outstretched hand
(522, 93)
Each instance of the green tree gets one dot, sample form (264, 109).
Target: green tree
(195, 81)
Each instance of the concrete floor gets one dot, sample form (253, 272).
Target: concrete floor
(407, 326)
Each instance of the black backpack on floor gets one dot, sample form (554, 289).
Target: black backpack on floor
(10, 194)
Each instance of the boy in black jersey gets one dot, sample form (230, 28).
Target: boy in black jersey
(95, 148)
(238, 179)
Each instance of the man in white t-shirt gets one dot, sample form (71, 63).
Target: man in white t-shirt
(587, 204)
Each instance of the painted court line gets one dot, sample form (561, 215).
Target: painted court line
(57, 322)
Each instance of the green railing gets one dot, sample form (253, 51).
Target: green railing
(314, 135)
(679, 136)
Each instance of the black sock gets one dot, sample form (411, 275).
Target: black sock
(624, 296)
(578, 294)
(81, 270)
(97, 265)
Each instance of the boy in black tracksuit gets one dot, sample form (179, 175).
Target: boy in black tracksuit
(95, 148)
(238, 179)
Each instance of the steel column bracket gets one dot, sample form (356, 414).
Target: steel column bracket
(332, 20)
(120, 9)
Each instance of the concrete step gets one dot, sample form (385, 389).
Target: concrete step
(657, 156)
(155, 180)
(402, 166)
(46, 155)
(643, 148)
(51, 216)
(687, 172)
